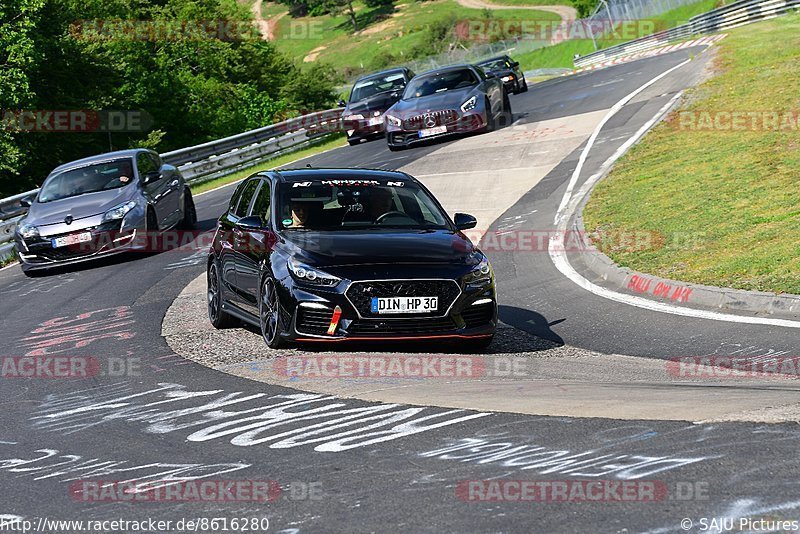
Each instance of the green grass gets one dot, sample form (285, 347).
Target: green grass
(561, 55)
(531, 2)
(386, 38)
(727, 203)
(335, 141)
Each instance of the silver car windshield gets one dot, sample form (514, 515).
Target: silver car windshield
(439, 83)
(89, 179)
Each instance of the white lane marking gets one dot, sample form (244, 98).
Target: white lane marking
(559, 256)
(585, 153)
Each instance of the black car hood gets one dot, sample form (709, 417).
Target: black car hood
(380, 102)
(356, 247)
(447, 100)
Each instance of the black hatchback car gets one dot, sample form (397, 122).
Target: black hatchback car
(507, 70)
(370, 97)
(332, 255)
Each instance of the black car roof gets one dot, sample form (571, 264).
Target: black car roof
(305, 174)
(382, 72)
(448, 68)
(496, 58)
(119, 154)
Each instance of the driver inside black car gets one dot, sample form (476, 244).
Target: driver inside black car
(377, 203)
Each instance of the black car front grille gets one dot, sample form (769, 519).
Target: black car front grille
(313, 320)
(399, 327)
(480, 315)
(439, 117)
(360, 294)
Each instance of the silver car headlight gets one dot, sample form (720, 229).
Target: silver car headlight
(480, 273)
(309, 275)
(27, 231)
(469, 104)
(118, 212)
(394, 121)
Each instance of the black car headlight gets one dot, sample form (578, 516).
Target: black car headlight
(480, 274)
(309, 275)
(469, 104)
(27, 231)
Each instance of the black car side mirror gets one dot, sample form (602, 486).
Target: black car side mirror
(252, 222)
(25, 203)
(342, 103)
(465, 222)
(515, 64)
(152, 176)
(491, 75)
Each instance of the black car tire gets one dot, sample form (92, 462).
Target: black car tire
(189, 212)
(269, 314)
(219, 319)
(354, 142)
(524, 86)
(393, 148)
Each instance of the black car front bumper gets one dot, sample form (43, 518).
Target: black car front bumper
(343, 314)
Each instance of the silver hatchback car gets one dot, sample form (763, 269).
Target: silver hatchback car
(102, 205)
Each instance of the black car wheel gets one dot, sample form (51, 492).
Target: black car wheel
(218, 318)
(354, 142)
(189, 212)
(524, 85)
(490, 120)
(269, 315)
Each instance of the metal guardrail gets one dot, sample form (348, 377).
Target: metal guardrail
(210, 160)
(723, 18)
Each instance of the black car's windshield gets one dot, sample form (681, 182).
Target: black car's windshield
(439, 83)
(497, 64)
(379, 84)
(89, 179)
(344, 204)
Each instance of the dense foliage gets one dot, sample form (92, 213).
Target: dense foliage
(195, 86)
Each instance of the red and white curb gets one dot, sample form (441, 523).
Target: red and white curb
(707, 41)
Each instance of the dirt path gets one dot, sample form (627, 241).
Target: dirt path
(567, 13)
(265, 27)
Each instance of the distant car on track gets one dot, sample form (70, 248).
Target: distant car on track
(97, 206)
(446, 101)
(333, 255)
(369, 99)
(508, 71)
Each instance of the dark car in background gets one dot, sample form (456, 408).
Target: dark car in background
(446, 101)
(508, 71)
(98, 206)
(334, 255)
(370, 97)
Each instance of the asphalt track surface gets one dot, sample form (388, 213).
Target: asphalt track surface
(155, 423)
